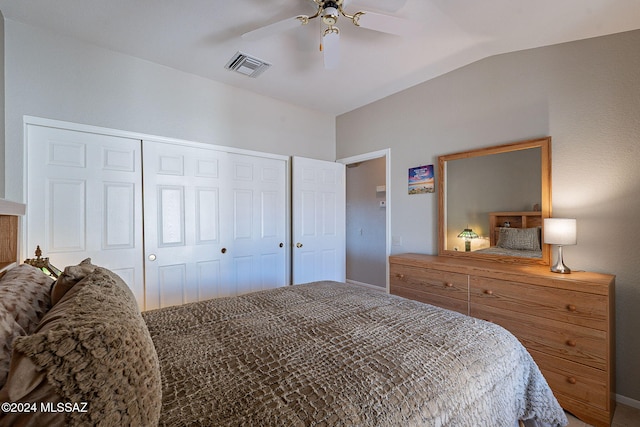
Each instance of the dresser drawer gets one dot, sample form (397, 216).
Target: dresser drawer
(573, 342)
(450, 285)
(577, 308)
(573, 380)
(453, 304)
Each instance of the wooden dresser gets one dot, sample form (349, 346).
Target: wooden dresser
(565, 321)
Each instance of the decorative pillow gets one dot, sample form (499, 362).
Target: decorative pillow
(524, 239)
(93, 346)
(9, 330)
(24, 300)
(69, 277)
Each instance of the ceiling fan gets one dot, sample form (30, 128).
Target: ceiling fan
(329, 11)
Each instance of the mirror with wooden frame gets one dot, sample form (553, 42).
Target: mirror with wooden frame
(492, 202)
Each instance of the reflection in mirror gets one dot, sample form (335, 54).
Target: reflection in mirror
(493, 200)
(477, 186)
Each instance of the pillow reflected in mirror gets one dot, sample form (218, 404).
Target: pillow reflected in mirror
(523, 239)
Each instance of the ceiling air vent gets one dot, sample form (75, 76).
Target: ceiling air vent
(247, 65)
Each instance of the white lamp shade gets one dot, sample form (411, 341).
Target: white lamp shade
(560, 231)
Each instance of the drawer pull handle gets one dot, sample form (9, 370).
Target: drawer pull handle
(400, 276)
(488, 292)
(571, 307)
(449, 285)
(572, 380)
(571, 343)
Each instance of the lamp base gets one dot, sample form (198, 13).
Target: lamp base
(559, 266)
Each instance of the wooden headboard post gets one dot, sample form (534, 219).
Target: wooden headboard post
(10, 213)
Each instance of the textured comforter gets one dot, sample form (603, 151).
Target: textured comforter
(330, 354)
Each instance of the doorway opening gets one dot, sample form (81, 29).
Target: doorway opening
(367, 219)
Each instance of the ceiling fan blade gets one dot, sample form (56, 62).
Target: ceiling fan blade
(272, 29)
(331, 50)
(390, 6)
(388, 24)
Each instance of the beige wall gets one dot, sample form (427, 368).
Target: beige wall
(57, 77)
(586, 95)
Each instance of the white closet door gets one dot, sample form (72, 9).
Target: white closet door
(84, 199)
(185, 224)
(214, 223)
(259, 219)
(319, 198)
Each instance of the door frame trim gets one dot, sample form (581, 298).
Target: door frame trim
(40, 121)
(386, 153)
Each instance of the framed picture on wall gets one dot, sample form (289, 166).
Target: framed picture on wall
(421, 180)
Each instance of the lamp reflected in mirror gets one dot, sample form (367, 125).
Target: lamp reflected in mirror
(560, 232)
(467, 234)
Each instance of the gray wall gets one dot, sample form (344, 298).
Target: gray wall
(586, 95)
(366, 223)
(56, 77)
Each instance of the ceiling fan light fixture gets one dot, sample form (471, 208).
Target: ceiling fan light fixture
(330, 13)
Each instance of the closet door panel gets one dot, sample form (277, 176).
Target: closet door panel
(209, 280)
(66, 210)
(118, 228)
(84, 199)
(207, 215)
(185, 257)
(170, 216)
(172, 281)
(259, 221)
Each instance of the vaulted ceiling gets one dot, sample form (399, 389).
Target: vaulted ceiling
(201, 36)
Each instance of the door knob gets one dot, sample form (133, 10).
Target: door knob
(298, 245)
(152, 257)
(223, 250)
(281, 245)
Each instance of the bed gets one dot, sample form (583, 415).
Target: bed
(319, 354)
(331, 354)
(515, 234)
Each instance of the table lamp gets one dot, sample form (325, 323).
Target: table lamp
(561, 232)
(467, 234)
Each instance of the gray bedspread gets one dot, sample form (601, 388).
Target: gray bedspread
(331, 354)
